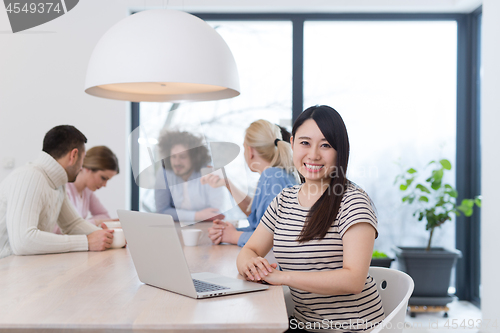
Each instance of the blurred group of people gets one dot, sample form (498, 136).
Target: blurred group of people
(74, 173)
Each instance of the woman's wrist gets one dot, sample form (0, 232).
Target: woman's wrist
(243, 257)
(235, 237)
(286, 278)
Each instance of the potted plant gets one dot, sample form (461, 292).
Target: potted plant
(380, 259)
(435, 203)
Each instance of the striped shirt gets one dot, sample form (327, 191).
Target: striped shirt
(285, 219)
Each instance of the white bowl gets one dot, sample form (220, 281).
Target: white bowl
(113, 224)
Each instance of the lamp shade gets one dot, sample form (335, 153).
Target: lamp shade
(162, 55)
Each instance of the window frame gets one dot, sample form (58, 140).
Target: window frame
(468, 173)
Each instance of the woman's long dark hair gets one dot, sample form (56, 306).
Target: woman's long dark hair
(325, 210)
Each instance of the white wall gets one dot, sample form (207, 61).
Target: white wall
(42, 74)
(490, 140)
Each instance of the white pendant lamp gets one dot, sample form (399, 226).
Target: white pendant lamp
(162, 55)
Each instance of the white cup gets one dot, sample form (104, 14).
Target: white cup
(191, 237)
(118, 239)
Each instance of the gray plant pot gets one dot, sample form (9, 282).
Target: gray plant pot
(382, 262)
(431, 272)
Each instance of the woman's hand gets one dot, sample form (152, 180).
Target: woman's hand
(230, 234)
(276, 277)
(215, 231)
(223, 232)
(213, 180)
(257, 269)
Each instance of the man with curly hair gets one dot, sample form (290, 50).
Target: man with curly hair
(178, 190)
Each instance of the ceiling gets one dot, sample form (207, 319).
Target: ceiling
(317, 6)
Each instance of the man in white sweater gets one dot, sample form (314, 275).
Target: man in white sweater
(33, 199)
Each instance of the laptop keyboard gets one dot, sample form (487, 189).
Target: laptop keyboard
(205, 286)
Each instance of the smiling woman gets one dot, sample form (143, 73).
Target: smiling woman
(99, 166)
(321, 232)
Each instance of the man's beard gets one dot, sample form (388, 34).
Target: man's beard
(72, 179)
(182, 172)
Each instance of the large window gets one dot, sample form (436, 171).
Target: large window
(394, 83)
(393, 78)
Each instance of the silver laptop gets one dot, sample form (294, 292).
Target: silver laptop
(159, 260)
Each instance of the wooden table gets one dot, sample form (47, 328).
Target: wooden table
(100, 292)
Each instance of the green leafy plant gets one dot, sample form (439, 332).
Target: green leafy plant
(379, 255)
(435, 200)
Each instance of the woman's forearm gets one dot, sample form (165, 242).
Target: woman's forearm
(337, 282)
(242, 199)
(244, 257)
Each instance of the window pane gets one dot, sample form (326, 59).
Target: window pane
(394, 83)
(263, 54)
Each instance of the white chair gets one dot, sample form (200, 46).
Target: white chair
(395, 288)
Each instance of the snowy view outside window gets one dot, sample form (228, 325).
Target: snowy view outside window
(394, 83)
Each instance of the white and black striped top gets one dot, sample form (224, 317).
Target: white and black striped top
(285, 219)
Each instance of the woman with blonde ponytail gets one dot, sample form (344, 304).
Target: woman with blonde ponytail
(270, 156)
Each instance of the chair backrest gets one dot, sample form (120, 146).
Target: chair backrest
(395, 288)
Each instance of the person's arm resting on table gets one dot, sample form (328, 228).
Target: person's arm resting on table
(164, 202)
(165, 205)
(358, 243)
(251, 262)
(22, 219)
(225, 232)
(71, 223)
(241, 198)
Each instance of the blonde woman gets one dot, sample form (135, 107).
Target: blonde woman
(99, 165)
(267, 154)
